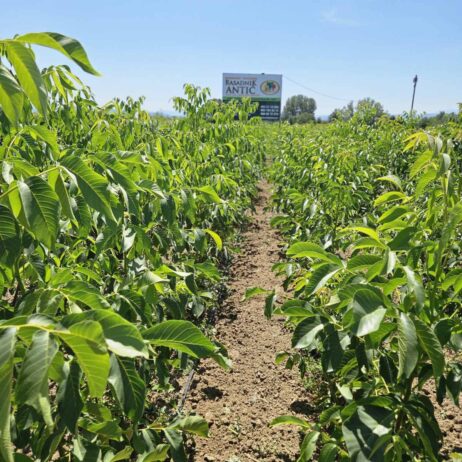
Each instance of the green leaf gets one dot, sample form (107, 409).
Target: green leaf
(251, 292)
(368, 312)
(372, 233)
(320, 276)
(332, 351)
(210, 194)
(393, 179)
(182, 336)
(70, 403)
(11, 96)
(44, 134)
(402, 240)
(393, 214)
(192, 424)
(431, 345)
(306, 332)
(123, 454)
(362, 430)
(87, 341)
(360, 262)
(159, 453)
(9, 236)
(216, 238)
(309, 249)
(82, 292)
(28, 74)
(7, 344)
(57, 184)
(129, 388)
(427, 429)
(94, 186)
(68, 46)
(419, 164)
(107, 429)
(455, 217)
(270, 301)
(33, 375)
(408, 346)
(390, 196)
(175, 439)
(290, 420)
(328, 453)
(41, 207)
(415, 285)
(424, 181)
(122, 337)
(308, 446)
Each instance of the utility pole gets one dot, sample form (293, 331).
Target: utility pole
(413, 94)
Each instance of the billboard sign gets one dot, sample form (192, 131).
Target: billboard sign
(265, 89)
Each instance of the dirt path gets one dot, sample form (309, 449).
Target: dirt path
(241, 403)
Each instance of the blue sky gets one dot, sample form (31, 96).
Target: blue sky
(347, 49)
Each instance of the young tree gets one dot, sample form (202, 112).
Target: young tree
(299, 109)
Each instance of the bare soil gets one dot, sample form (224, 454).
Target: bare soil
(240, 404)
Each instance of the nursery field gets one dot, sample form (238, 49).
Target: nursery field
(213, 288)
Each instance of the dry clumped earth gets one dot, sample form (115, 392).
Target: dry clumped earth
(241, 403)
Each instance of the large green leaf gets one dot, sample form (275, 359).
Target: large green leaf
(33, 376)
(306, 332)
(41, 207)
(328, 453)
(320, 277)
(431, 345)
(408, 346)
(94, 186)
(182, 336)
(368, 312)
(28, 74)
(415, 285)
(69, 398)
(82, 292)
(122, 337)
(11, 96)
(308, 446)
(363, 429)
(309, 249)
(210, 194)
(360, 262)
(57, 184)
(87, 341)
(192, 424)
(7, 343)
(129, 388)
(68, 46)
(9, 236)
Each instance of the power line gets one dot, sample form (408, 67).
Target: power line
(315, 91)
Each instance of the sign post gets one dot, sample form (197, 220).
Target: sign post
(264, 89)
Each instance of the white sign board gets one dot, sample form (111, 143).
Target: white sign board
(264, 86)
(266, 89)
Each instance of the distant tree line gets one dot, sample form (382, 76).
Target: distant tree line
(300, 109)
